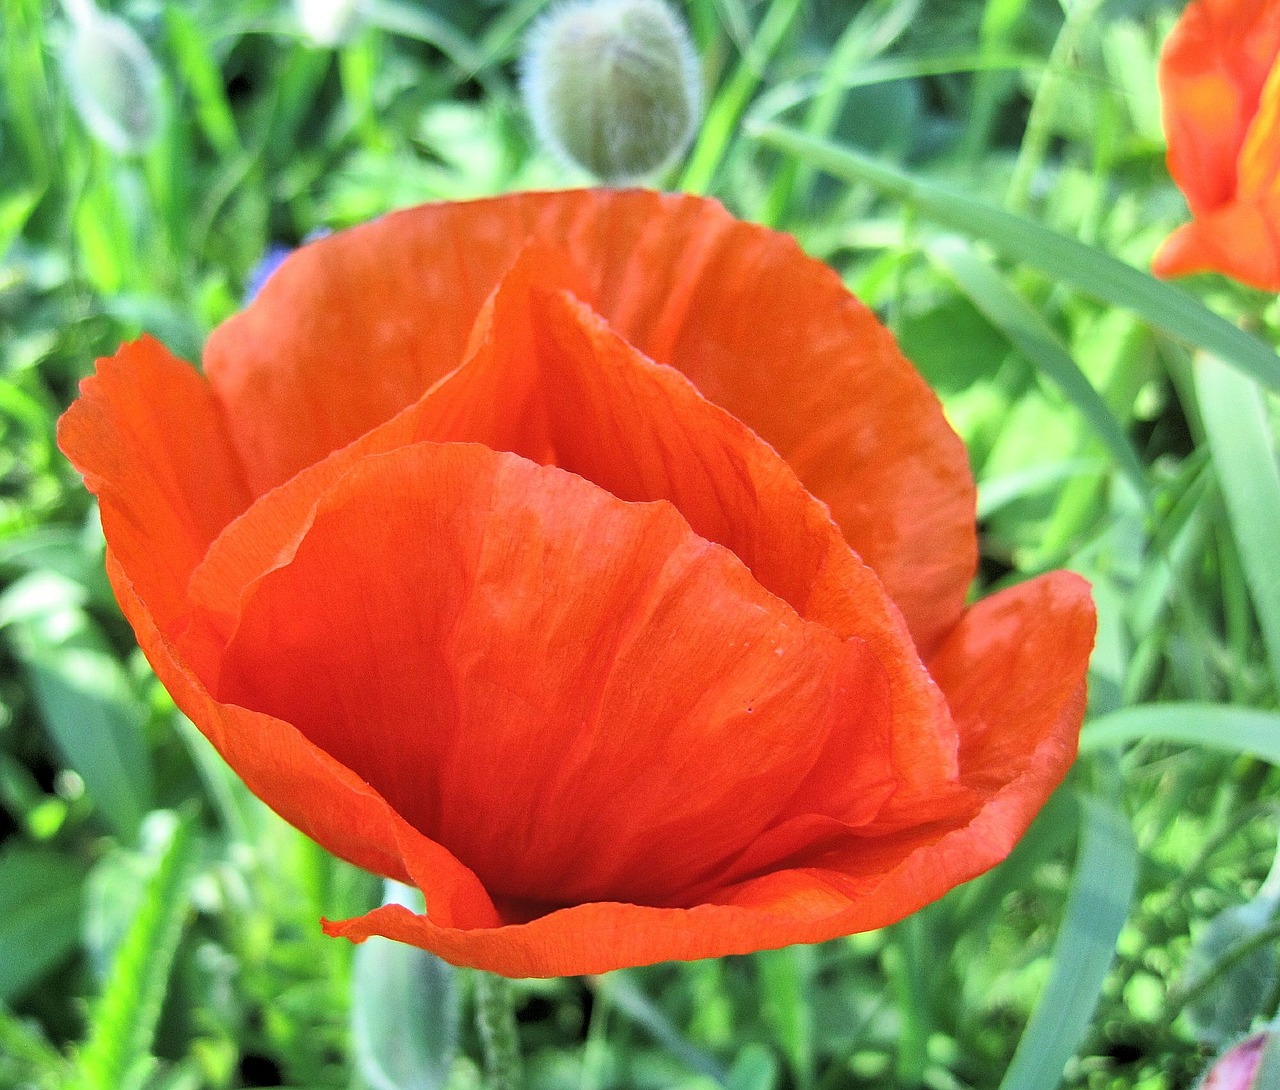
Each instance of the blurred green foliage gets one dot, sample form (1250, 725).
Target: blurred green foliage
(158, 927)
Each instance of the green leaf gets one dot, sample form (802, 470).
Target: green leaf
(92, 713)
(1101, 892)
(1027, 331)
(116, 1054)
(40, 903)
(1092, 271)
(1215, 726)
(1235, 424)
(404, 1010)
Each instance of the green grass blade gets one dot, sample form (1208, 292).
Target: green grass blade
(1027, 331)
(1101, 892)
(41, 897)
(1235, 423)
(786, 96)
(786, 982)
(200, 72)
(1215, 726)
(621, 990)
(726, 109)
(1092, 271)
(124, 1018)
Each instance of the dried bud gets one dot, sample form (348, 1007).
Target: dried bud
(113, 79)
(613, 86)
(326, 23)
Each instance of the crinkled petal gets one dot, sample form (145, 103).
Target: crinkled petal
(1260, 157)
(355, 327)
(539, 704)
(1015, 671)
(305, 785)
(549, 380)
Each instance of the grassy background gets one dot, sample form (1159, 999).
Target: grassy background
(988, 176)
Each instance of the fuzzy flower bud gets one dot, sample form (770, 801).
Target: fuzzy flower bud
(113, 79)
(613, 86)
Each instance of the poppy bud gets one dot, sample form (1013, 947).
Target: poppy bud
(1237, 1068)
(326, 23)
(613, 86)
(113, 79)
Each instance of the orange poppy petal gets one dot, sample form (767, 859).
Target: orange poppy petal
(1260, 157)
(773, 336)
(496, 675)
(575, 394)
(149, 438)
(1014, 670)
(1213, 68)
(306, 786)
(548, 373)
(1241, 240)
(355, 327)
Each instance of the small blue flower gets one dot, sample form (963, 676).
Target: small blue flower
(270, 261)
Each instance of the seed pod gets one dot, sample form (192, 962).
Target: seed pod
(613, 86)
(113, 79)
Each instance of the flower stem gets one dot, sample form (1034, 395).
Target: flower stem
(496, 1021)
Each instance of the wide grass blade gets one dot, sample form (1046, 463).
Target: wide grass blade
(1092, 271)
(1101, 892)
(1215, 726)
(1027, 331)
(405, 1010)
(1235, 423)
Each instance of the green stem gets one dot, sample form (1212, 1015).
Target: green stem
(496, 1021)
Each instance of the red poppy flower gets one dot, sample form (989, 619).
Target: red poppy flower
(1220, 88)
(495, 551)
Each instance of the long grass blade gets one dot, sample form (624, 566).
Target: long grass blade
(1235, 423)
(1092, 271)
(1027, 331)
(1101, 892)
(1215, 726)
